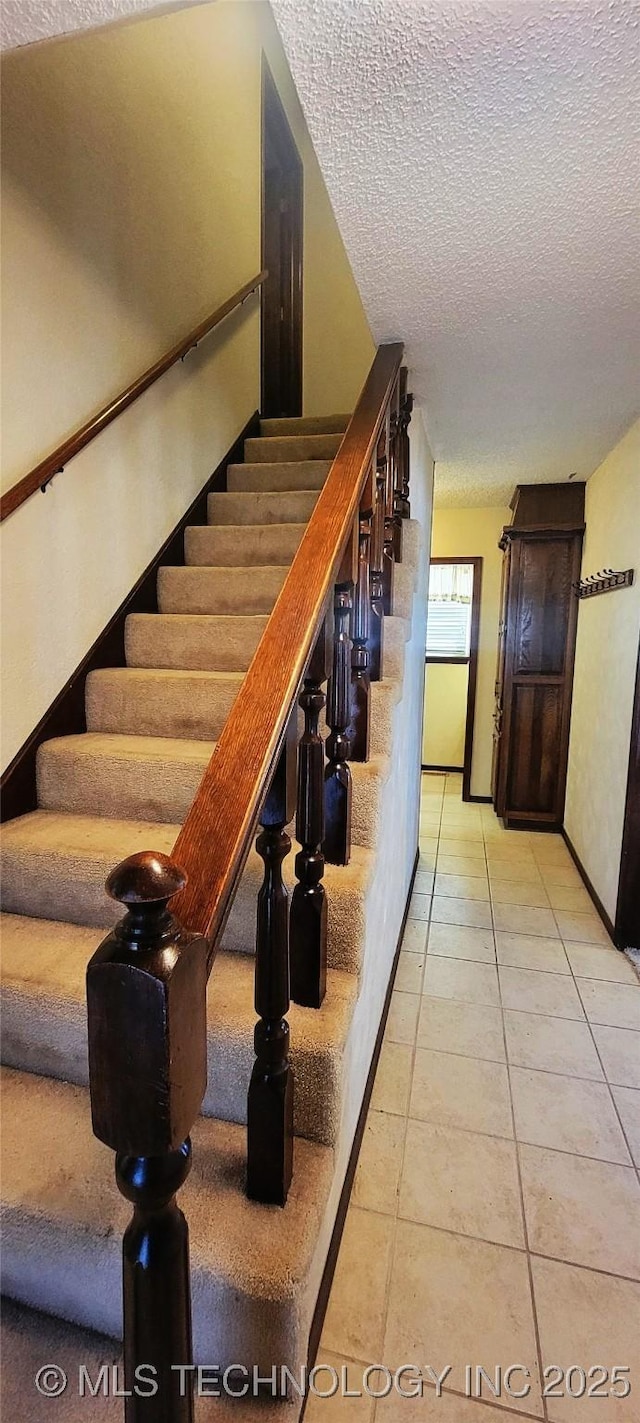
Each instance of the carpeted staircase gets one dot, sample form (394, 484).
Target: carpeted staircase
(126, 785)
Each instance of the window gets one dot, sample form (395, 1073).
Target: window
(449, 612)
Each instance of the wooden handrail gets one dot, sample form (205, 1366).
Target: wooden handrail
(43, 473)
(214, 841)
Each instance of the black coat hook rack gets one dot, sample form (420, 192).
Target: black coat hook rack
(603, 582)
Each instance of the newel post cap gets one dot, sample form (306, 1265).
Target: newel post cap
(146, 878)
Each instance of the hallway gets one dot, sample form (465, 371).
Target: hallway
(495, 1217)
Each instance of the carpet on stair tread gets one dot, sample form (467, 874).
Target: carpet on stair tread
(346, 887)
(193, 641)
(244, 545)
(122, 777)
(213, 591)
(155, 778)
(29, 1340)
(166, 702)
(291, 507)
(304, 425)
(45, 1029)
(61, 1204)
(285, 448)
(294, 474)
(55, 864)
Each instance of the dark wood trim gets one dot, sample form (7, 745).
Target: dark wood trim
(274, 121)
(472, 685)
(43, 473)
(214, 841)
(442, 769)
(538, 531)
(66, 715)
(627, 927)
(480, 799)
(453, 661)
(599, 906)
(473, 677)
(326, 1282)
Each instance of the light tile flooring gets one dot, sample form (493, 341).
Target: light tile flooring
(495, 1217)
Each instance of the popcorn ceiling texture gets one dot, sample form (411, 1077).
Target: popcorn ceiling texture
(483, 160)
(25, 21)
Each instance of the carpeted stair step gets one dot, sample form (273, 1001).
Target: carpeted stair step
(293, 507)
(346, 887)
(297, 474)
(150, 778)
(63, 1221)
(396, 632)
(246, 546)
(155, 778)
(305, 425)
(193, 641)
(403, 590)
(291, 447)
(140, 701)
(44, 1018)
(55, 864)
(219, 590)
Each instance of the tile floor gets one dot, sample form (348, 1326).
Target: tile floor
(495, 1216)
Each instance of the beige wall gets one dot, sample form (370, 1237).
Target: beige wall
(131, 187)
(474, 533)
(445, 714)
(606, 656)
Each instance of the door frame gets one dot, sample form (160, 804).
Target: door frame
(627, 925)
(472, 684)
(274, 121)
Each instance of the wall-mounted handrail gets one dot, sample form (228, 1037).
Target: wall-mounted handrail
(43, 473)
(214, 840)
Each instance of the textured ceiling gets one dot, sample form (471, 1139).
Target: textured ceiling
(483, 159)
(26, 21)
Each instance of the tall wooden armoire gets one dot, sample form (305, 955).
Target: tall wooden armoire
(542, 550)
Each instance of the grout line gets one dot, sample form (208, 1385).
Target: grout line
(445, 832)
(613, 1100)
(517, 1249)
(525, 1226)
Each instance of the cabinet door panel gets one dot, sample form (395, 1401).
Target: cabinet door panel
(546, 571)
(535, 748)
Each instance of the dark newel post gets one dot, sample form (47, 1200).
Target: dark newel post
(308, 923)
(376, 626)
(146, 1000)
(270, 1099)
(360, 721)
(337, 776)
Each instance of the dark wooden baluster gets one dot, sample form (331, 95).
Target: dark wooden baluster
(146, 997)
(376, 622)
(337, 776)
(360, 719)
(404, 419)
(388, 560)
(270, 1099)
(394, 443)
(308, 921)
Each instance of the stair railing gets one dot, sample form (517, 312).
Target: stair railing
(41, 475)
(146, 985)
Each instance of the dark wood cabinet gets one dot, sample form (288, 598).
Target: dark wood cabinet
(537, 634)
